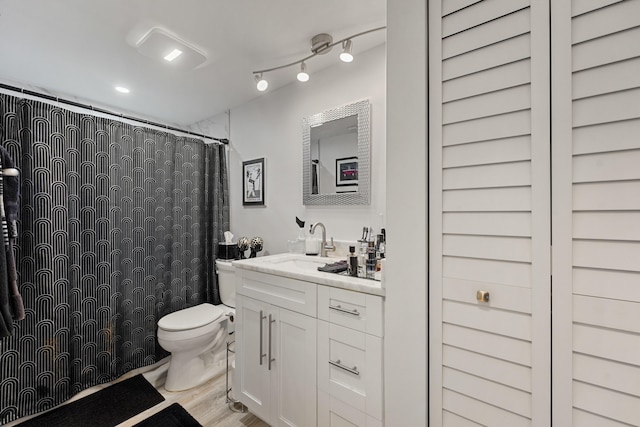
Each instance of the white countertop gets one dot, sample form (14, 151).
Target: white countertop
(284, 265)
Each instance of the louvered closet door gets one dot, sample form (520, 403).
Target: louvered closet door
(489, 213)
(596, 187)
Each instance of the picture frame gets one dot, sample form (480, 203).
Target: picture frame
(346, 171)
(253, 182)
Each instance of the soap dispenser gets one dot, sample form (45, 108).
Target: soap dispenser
(312, 244)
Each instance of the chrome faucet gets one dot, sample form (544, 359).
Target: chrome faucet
(324, 247)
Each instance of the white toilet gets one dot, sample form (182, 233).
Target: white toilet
(194, 335)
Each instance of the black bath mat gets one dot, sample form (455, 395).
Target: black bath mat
(105, 408)
(172, 416)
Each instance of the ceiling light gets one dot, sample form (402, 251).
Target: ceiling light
(159, 43)
(321, 44)
(346, 55)
(122, 89)
(173, 55)
(303, 76)
(261, 84)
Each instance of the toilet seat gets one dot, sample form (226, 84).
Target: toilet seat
(190, 318)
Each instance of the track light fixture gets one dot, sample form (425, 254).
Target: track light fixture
(261, 84)
(320, 45)
(346, 55)
(303, 76)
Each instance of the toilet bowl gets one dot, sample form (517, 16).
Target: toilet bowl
(191, 335)
(195, 335)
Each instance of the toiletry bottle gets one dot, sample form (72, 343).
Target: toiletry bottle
(353, 262)
(380, 247)
(362, 258)
(371, 260)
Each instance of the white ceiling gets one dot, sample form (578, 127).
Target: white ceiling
(81, 49)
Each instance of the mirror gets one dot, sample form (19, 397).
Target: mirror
(335, 155)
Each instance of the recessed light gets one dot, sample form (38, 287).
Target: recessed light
(122, 89)
(173, 55)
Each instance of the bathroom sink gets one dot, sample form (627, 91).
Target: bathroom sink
(300, 262)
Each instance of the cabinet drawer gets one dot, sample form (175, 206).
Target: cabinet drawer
(355, 310)
(350, 367)
(294, 295)
(334, 413)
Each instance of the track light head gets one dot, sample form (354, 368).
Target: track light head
(346, 55)
(261, 84)
(303, 76)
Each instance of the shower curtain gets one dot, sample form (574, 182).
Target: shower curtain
(118, 227)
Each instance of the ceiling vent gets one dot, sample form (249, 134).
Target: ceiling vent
(160, 44)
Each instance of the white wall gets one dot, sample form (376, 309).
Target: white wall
(270, 126)
(405, 355)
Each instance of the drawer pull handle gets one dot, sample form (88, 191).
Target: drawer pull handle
(339, 308)
(271, 359)
(262, 317)
(337, 364)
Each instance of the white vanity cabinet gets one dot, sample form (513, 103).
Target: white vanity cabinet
(276, 336)
(350, 326)
(308, 344)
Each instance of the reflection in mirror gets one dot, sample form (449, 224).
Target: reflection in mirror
(336, 150)
(334, 156)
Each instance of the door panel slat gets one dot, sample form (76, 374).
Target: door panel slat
(511, 324)
(487, 34)
(612, 166)
(490, 392)
(607, 374)
(612, 19)
(487, 415)
(495, 55)
(488, 104)
(606, 79)
(515, 174)
(510, 374)
(605, 50)
(508, 75)
(488, 247)
(479, 13)
(497, 346)
(488, 223)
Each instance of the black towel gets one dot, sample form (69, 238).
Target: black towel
(11, 192)
(6, 312)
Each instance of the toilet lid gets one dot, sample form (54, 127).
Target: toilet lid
(190, 318)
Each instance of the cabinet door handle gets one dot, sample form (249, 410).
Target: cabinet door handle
(271, 359)
(262, 317)
(337, 364)
(339, 308)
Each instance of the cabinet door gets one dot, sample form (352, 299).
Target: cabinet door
(596, 213)
(294, 369)
(252, 378)
(489, 204)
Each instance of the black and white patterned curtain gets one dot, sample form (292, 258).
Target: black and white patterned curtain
(118, 227)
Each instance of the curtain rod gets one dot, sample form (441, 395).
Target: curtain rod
(111, 113)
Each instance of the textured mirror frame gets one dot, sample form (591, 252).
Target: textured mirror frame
(362, 196)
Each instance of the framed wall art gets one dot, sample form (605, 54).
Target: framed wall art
(346, 171)
(253, 182)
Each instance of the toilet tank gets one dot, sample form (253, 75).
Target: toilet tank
(226, 282)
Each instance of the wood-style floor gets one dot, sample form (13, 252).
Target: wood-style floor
(206, 403)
